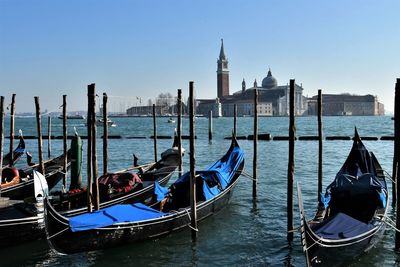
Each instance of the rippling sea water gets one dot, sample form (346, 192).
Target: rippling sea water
(245, 233)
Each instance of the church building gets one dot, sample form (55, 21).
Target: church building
(273, 99)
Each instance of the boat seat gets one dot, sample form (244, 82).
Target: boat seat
(362, 207)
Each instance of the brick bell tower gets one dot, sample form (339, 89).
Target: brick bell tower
(222, 74)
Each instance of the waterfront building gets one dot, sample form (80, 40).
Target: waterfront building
(346, 104)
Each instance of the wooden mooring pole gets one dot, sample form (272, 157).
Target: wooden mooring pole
(193, 208)
(234, 119)
(396, 153)
(89, 148)
(49, 136)
(210, 114)
(155, 132)
(1, 134)
(290, 173)
(39, 132)
(105, 135)
(319, 106)
(396, 185)
(12, 120)
(65, 136)
(255, 142)
(94, 151)
(179, 131)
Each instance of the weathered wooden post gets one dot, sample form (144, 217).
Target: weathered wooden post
(89, 148)
(39, 132)
(210, 125)
(179, 131)
(65, 148)
(1, 134)
(290, 173)
(396, 153)
(12, 120)
(234, 119)
(396, 158)
(193, 206)
(105, 135)
(255, 142)
(319, 104)
(49, 136)
(94, 151)
(155, 132)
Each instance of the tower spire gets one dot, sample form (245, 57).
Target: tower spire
(222, 52)
(222, 74)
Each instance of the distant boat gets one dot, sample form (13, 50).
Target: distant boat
(73, 117)
(171, 120)
(100, 122)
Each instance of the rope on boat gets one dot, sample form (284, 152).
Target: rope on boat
(195, 229)
(56, 234)
(390, 223)
(390, 177)
(245, 174)
(294, 229)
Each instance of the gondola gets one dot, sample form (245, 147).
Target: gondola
(350, 218)
(119, 224)
(23, 187)
(123, 186)
(18, 152)
(23, 220)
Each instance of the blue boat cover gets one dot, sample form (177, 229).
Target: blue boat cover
(214, 179)
(160, 191)
(342, 226)
(112, 215)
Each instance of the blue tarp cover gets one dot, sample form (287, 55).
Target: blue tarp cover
(222, 171)
(112, 215)
(342, 226)
(160, 191)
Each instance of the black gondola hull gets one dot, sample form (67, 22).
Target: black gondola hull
(25, 188)
(359, 194)
(61, 238)
(338, 253)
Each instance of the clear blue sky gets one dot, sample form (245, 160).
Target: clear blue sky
(138, 48)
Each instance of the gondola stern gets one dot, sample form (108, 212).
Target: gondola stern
(303, 224)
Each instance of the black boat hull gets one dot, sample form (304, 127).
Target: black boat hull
(62, 239)
(18, 225)
(340, 241)
(325, 253)
(25, 187)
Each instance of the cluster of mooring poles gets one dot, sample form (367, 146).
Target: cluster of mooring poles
(92, 167)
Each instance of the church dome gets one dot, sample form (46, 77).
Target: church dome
(269, 81)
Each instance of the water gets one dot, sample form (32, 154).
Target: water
(244, 233)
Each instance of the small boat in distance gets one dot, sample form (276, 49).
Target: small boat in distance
(73, 117)
(100, 122)
(350, 218)
(171, 120)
